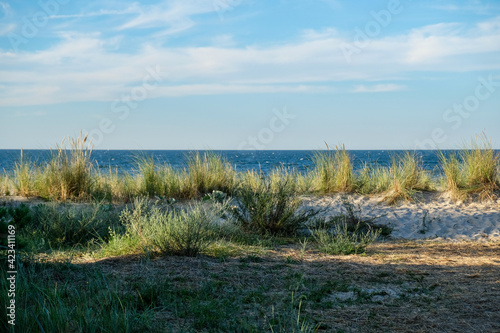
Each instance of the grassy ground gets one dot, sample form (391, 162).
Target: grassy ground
(393, 287)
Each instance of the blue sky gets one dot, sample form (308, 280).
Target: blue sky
(249, 74)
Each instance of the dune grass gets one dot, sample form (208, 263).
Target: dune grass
(373, 180)
(474, 170)
(333, 171)
(408, 177)
(210, 172)
(71, 174)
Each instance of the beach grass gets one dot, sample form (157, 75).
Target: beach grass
(333, 171)
(373, 180)
(210, 172)
(72, 175)
(408, 177)
(474, 170)
(186, 231)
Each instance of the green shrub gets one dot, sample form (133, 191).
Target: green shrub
(270, 207)
(185, 232)
(68, 225)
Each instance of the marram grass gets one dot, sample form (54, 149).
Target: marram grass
(71, 174)
(474, 170)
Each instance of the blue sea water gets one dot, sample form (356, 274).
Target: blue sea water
(265, 160)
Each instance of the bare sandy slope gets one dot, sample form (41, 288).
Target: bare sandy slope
(432, 216)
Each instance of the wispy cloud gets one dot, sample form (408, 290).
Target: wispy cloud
(96, 67)
(471, 6)
(132, 9)
(378, 88)
(169, 14)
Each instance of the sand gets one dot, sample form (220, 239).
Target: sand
(431, 216)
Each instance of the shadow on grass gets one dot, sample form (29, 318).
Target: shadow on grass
(396, 286)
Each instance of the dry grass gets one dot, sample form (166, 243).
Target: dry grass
(408, 177)
(333, 171)
(473, 171)
(396, 287)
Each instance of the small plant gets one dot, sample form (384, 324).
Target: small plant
(184, 232)
(425, 223)
(352, 217)
(291, 321)
(339, 240)
(271, 207)
(216, 196)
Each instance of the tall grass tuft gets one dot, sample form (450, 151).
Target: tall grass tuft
(408, 177)
(333, 171)
(25, 177)
(373, 180)
(68, 175)
(474, 171)
(210, 172)
(453, 174)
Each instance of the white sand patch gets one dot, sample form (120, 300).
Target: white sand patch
(430, 216)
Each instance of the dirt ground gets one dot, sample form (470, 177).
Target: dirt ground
(395, 287)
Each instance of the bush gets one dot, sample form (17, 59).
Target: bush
(68, 225)
(184, 232)
(270, 207)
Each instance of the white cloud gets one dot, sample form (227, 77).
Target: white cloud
(90, 67)
(169, 14)
(378, 88)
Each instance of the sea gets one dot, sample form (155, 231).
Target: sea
(125, 161)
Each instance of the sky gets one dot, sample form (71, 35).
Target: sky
(249, 74)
